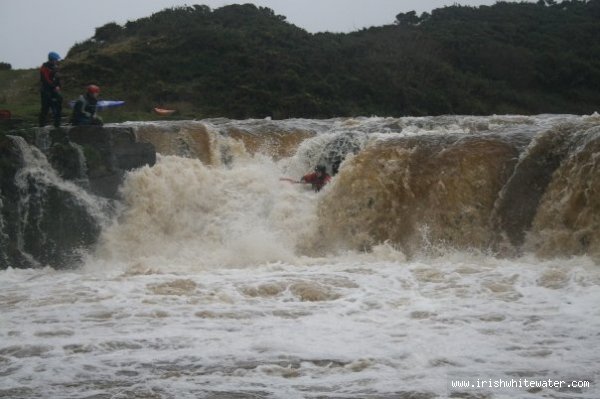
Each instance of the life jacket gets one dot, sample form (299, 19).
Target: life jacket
(49, 79)
(317, 181)
(84, 110)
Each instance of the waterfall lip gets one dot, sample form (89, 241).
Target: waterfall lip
(443, 124)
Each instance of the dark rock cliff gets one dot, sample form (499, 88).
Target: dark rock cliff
(56, 195)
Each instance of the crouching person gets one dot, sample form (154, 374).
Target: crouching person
(84, 112)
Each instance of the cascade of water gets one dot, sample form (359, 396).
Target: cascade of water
(485, 183)
(471, 182)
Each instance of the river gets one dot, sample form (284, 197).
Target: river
(445, 249)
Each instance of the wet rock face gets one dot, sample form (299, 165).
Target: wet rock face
(9, 164)
(58, 226)
(44, 219)
(109, 152)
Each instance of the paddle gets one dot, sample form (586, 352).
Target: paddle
(289, 180)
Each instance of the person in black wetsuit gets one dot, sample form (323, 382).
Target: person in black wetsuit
(84, 111)
(50, 90)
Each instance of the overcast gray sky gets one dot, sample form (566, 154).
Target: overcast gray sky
(29, 29)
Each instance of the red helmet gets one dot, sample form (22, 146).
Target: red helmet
(93, 89)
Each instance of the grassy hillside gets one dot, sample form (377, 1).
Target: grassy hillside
(241, 61)
(18, 93)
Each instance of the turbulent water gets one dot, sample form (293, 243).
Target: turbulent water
(445, 249)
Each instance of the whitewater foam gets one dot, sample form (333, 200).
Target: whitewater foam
(184, 212)
(339, 328)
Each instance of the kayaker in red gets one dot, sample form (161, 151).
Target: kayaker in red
(318, 178)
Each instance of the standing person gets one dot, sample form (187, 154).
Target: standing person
(318, 178)
(50, 90)
(84, 112)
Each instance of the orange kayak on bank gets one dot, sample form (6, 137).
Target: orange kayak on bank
(162, 111)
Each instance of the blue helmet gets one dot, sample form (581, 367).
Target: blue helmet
(53, 56)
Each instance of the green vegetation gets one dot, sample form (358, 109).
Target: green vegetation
(241, 61)
(19, 92)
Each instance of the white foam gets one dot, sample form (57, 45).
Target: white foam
(377, 326)
(183, 212)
